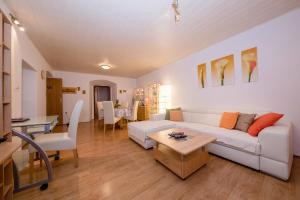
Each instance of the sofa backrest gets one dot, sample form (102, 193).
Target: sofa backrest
(212, 117)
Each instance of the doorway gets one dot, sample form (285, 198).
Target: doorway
(29, 91)
(101, 93)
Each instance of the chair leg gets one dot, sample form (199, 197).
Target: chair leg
(113, 128)
(104, 127)
(75, 153)
(41, 162)
(31, 166)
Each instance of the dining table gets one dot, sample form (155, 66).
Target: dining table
(122, 112)
(26, 130)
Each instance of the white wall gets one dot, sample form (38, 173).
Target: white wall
(72, 79)
(29, 91)
(278, 43)
(23, 49)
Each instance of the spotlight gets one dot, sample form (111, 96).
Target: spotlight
(15, 21)
(22, 28)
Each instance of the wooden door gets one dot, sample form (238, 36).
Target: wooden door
(55, 98)
(101, 93)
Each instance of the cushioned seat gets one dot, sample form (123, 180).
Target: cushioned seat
(141, 129)
(233, 138)
(237, 139)
(55, 142)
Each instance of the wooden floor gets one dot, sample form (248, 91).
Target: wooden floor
(112, 166)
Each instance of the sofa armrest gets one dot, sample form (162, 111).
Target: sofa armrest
(157, 117)
(277, 143)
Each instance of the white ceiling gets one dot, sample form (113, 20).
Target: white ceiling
(135, 36)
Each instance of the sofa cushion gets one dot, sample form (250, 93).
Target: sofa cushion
(262, 122)
(176, 115)
(234, 138)
(141, 129)
(167, 116)
(229, 120)
(244, 121)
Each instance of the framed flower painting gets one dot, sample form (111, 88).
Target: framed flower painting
(249, 65)
(222, 71)
(202, 75)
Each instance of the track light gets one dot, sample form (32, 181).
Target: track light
(176, 11)
(16, 22)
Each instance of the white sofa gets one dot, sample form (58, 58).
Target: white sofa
(270, 152)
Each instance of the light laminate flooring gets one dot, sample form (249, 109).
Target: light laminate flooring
(111, 166)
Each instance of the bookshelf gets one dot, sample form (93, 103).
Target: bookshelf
(5, 77)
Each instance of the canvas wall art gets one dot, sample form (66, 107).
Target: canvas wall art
(249, 65)
(222, 71)
(202, 75)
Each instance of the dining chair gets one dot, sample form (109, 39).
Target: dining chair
(100, 110)
(59, 141)
(109, 114)
(133, 116)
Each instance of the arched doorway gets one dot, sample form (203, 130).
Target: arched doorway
(113, 93)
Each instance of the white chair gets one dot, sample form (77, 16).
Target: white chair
(100, 110)
(109, 114)
(133, 116)
(60, 141)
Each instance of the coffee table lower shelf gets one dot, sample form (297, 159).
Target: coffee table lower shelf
(182, 165)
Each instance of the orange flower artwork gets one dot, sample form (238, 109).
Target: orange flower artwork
(249, 65)
(222, 71)
(202, 75)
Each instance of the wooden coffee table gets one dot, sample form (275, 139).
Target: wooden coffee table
(183, 156)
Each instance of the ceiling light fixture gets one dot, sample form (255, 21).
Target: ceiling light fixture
(16, 22)
(106, 67)
(14, 19)
(176, 11)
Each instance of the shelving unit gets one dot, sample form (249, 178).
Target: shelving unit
(5, 77)
(6, 148)
(153, 98)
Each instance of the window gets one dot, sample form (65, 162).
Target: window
(164, 99)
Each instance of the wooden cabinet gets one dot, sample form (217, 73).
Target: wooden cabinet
(6, 168)
(143, 113)
(5, 77)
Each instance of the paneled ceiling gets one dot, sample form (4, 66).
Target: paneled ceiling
(135, 36)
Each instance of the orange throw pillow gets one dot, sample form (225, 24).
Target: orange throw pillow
(176, 115)
(229, 120)
(262, 122)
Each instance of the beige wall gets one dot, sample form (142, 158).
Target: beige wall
(82, 80)
(24, 49)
